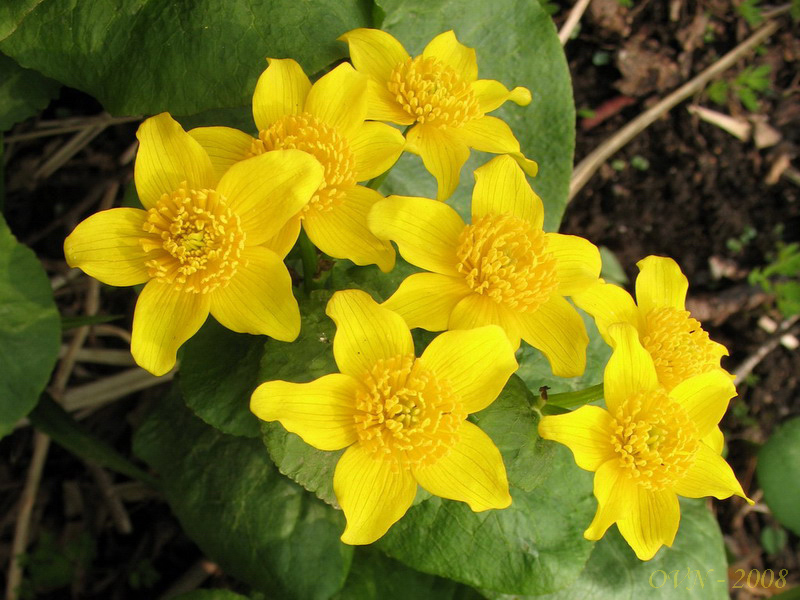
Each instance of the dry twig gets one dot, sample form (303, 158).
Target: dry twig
(572, 21)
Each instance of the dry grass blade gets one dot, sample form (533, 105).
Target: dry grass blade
(572, 20)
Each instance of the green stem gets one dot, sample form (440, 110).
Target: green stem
(576, 399)
(2, 176)
(50, 418)
(308, 254)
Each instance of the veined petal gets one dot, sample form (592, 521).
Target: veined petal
(106, 246)
(268, 189)
(376, 147)
(426, 300)
(705, 398)
(488, 134)
(630, 369)
(284, 240)
(472, 472)
(587, 431)
(476, 310)
(454, 54)
(372, 495)
(491, 94)
(652, 522)
(168, 157)
(531, 167)
(660, 284)
(426, 232)
(709, 475)
(343, 233)
(225, 146)
(281, 90)
(578, 262)
(557, 330)
(365, 332)
(258, 298)
(321, 411)
(608, 304)
(382, 105)
(615, 493)
(715, 440)
(501, 188)
(339, 98)
(443, 153)
(163, 320)
(374, 52)
(477, 363)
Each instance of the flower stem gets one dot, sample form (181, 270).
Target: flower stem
(572, 400)
(308, 254)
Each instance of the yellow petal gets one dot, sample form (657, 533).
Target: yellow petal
(339, 98)
(343, 233)
(476, 310)
(472, 472)
(382, 105)
(426, 232)
(652, 523)
(321, 412)
(709, 475)
(454, 54)
(557, 330)
(443, 154)
(630, 369)
(168, 157)
(376, 147)
(608, 304)
(372, 495)
(705, 398)
(715, 440)
(587, 431)
(283, 241)
(281, 90)
(477, 363)
(426, 300)
(365, 332)
(106, 246)
(501, 188)
(488, 134)
(225, 146)
(578, 262)
(267, 190)
(374, 52)
(660, 284)
(615, 493)
(163, 320)
(490, 94)
(258, 299)
(531, 167)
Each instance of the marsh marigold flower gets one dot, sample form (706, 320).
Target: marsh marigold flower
(200, 245)
(439, 93)
(401, 418)
(648, 447)
(327, 121)
(502, 269)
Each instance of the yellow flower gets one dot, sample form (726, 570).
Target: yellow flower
(200, 243)
(503, 269)
(648, 447)
(327, 121)
(401, 418)
(440, 94)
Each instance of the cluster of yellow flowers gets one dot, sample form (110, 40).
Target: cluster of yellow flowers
(223, 208)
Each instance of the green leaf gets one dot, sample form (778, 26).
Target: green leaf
(219, 371)
(694, 568)
(210, 595)
(778, 472)
(258, 525)
(23, 92)
(147, 56)
(68, 323)
(30, 330)
(516, 44)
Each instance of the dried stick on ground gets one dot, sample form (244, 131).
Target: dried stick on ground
(572, 21)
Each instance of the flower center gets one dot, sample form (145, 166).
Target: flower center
(679, 346)
(431, 92)
(656, 445)
(195, 240)
(406, 414)
(307, 133)
(506, 259)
